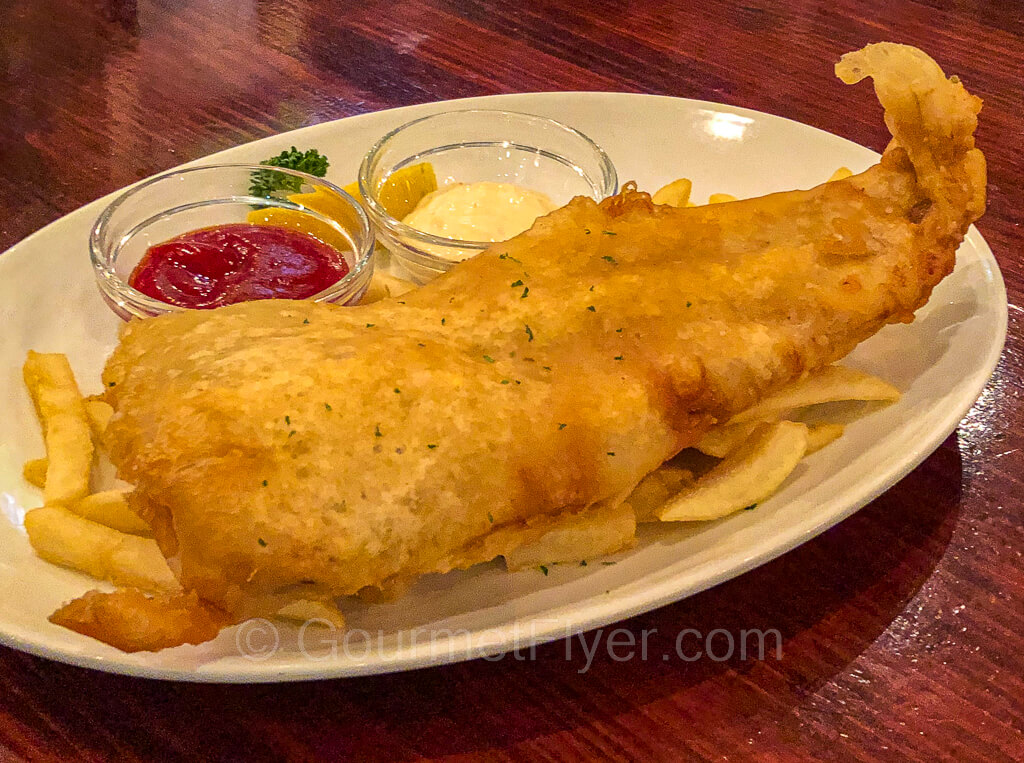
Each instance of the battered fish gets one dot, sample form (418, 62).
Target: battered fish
(288, 450)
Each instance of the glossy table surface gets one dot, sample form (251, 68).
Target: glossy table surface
(902, 628)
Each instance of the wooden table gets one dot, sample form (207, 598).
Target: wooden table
(903, 627)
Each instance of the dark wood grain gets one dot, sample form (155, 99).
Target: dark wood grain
(902, 628)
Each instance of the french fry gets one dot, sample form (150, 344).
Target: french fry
(723, 440)
(384, 285)
(747, 476)
(64, 538)
(656, 488)
(99, 413)
(110, 508)
(840, 174)
(674, 194)
(65, 423)
(721, 198)
(600, 531)
(820, 435)
(829, 385)
(34, 471)
(307, 610)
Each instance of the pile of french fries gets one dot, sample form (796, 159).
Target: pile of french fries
(751, 456)
(96, 531)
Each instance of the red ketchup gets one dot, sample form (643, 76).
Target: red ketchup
(224, 264)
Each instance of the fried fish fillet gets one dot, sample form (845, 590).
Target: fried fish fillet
(288, 450)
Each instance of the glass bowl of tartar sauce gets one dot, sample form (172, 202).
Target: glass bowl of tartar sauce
(488, 174)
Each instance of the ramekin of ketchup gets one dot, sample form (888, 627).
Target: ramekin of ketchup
(237, 262)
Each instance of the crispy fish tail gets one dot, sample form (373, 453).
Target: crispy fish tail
(933, 120)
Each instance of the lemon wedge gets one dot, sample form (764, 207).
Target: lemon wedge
(405, 188)
(307, 223)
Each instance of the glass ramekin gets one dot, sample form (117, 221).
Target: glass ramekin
(199, 197)
(529, 151)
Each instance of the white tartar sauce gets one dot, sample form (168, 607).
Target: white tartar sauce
(484, 211)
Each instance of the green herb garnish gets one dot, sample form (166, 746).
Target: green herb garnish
(265, 182)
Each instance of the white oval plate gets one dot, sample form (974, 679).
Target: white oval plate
(941, 361)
